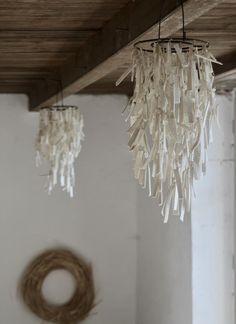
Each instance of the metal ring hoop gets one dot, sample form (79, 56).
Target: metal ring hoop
(58, 107)
(148, 44)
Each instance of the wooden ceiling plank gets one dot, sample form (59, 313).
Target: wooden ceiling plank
(229, 63)
(226, 81)
(9, 22)
(32, 48)
(50, 34)
(55, 14)
(60, 4)
(42, 73)
(74, 12)
(105, 51)
(44, 56)
(38, 64)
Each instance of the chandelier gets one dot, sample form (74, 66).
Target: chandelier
(59, 143)
(170, 115)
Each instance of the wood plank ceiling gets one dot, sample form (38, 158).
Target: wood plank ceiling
(217, 26)
(38, 37)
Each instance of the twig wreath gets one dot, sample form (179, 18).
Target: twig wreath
(83, 299)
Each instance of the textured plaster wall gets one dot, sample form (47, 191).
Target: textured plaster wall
(100, 222)
(213, 216)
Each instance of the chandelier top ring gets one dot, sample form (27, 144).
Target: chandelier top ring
(59, 107)
(186, 44)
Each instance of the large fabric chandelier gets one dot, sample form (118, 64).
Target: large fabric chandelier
(170, 115)
(59, 143)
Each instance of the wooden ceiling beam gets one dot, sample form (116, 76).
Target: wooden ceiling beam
(15, 88)
(228, 61)
(109, 48)
(226, 82)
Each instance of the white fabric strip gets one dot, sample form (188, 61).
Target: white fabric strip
(170, 115)
(59, 143)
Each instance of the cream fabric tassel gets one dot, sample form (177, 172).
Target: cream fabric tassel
(170, 115)
(59, 143)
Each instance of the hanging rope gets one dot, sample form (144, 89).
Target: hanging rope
(183, 19)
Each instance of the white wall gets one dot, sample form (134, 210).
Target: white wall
(99, 222)
(212, 227)
(172, 288)
(163, 267)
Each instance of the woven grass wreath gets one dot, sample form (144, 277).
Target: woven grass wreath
(83, 299)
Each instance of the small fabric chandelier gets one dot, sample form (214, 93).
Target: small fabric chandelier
(59, 143)
(170, 116)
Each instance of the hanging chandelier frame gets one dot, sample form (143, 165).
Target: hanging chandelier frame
(171, 114)
(187, 44)
(59, 141)
(58, 107)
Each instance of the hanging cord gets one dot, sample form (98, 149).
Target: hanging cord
(183, 20)
(58, 91)
(160, 17)
(61, 91)
(60, 94)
